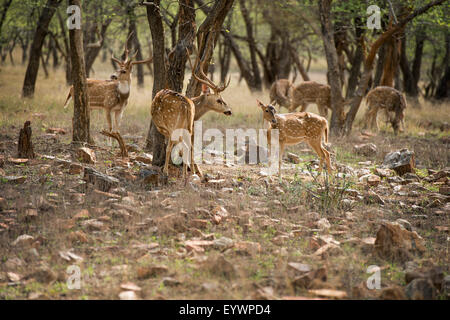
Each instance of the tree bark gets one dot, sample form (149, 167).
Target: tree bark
(36, 47)
(207, 34)
(25, 144)
(81, 103)
(155, 140)
(337, 101)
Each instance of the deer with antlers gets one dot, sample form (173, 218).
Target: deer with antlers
(297, 127)
(112, 94)
(171, 111)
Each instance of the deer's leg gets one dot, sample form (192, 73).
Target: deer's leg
(323, 111)
(316, 145)
(168, 153)
(303, 107)
(109, 120)
(118, 117)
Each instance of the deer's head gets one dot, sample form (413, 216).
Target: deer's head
(269, 112)
(125, 66)
(210, 91)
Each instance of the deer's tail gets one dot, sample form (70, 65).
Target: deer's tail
(69, 97)
(326, 134)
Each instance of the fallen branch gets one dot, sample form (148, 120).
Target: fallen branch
(118, 137)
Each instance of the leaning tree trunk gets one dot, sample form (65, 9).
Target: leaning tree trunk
(80, 119)
(358, 59)
(36, 47)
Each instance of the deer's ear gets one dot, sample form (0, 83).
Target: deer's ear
(205, 89)
(260, 104)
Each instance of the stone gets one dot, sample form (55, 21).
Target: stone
(151, 271)
(421, 289)
(44, 275)
(247, 248)
(371, 180)
(128, 295)
(392, 293)
(86, 155)
(23, 240)
(393, 242)
(401, 161)
(384, 173)
(100, 181)
(15, 179)
(299, 267)
(328, 293)
(323, 224)
(94, 225)
(223, 243)
(293, 158)
(367, 149)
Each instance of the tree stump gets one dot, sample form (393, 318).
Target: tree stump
(118, 137)
(25, 145)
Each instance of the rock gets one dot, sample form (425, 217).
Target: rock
(94, 225)
(15, 179)
(146, 158)
(411, 177)
(434, 274)
(392, 293)
(393, 242)
(372, 197)
(293, 158)
(78, 236)
(371, 180)
(86, 155)
(247, 248)
(44, 275)
(56, 131)
(81, 215)
(405, 224)
(328, 293)
(198, 245)
(367, 149)
(3, 204)
(101, 181)
(445, 190)
(299, 267)
(75, 168)
(128, 295)
(23, 240)
(199, 223)
(401, 161)
(129, 286)
(223, 243)
(323, 224)
(421, 289)
(69, 256)
(170, 282)
(218, 183)
(153, 176)
(384, 173)
(13, 277)
(446, 287)
(151, 271)
(220, 266)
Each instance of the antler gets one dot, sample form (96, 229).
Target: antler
(115, 59)
(143, 61)
(127, 51)
(206, 81)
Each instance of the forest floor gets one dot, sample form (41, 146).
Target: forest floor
(239, 235)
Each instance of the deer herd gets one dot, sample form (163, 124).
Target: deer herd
(171, 111)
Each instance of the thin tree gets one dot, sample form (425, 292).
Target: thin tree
(80, 119)
(36, 47)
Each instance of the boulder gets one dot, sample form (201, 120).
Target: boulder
(367, 149)
(421, 289)
(394, 242)
(401, 161)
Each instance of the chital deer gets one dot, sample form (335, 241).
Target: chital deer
(389, 99)
(297, 127)
(311, 92)
(171, 111)
(112, 94)
(281, 93)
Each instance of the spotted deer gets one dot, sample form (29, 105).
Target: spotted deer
(309, 92)
(111, 94)
(281, 93)
(171, 111)
(297, 127)
(391, 101)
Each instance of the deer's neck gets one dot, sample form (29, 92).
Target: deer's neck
(124, 87)
(201, 106)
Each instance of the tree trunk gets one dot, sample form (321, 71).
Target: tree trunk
(155, 140)
(25, 144)
(81, 104)
(257, 83)
(4, 10)
(92, 50)
(337, 101)
(36, 47)
(207, 34)
(358, 59)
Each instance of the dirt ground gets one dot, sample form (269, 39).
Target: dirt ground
(238, 235)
